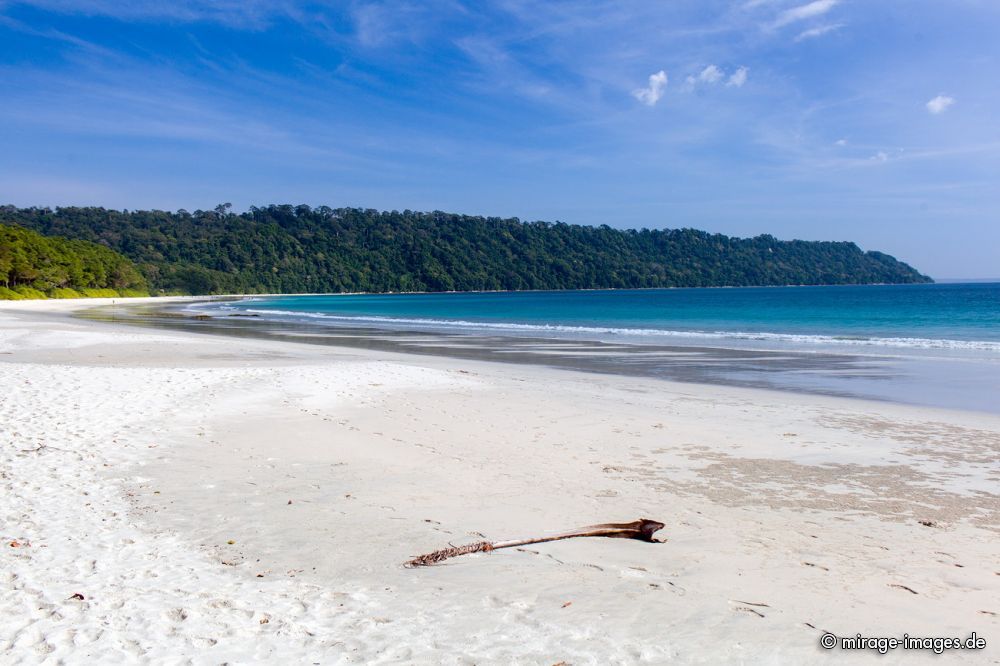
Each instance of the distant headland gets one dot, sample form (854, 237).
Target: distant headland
(297, 249)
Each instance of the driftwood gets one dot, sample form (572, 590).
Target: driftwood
(642, 530)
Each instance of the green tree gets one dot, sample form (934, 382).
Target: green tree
(301, 249)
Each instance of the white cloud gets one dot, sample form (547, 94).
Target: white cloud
(841, 142)
(880, 156)
(711, 74)
(738, 78)
(802, 12)
(940, 104)
(652, 94)
(818, 32)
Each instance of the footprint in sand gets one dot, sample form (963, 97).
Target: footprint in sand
(176, 615)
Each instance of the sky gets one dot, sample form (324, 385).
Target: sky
(871, 121)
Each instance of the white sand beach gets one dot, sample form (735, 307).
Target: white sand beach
(170, 497)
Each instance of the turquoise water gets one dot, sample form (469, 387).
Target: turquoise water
(959, 317)
(932, 345)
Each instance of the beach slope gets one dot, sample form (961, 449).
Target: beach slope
(174, 497)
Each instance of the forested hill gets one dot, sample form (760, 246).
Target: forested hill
(292, 249)
(35, 266)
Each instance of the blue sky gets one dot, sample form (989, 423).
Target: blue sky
(877, 122)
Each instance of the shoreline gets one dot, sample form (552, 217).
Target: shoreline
(931, 380)
(136, 455)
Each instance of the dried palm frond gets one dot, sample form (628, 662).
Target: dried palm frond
(642, 530)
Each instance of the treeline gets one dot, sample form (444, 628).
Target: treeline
(295, 249)
(37, 266)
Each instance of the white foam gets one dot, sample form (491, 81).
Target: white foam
(651, 333)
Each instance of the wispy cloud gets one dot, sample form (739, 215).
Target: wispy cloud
(940, 104)
(812, 33)
(369, 23)
(738, 78)
(372, 24)
(802, 12)
(391, 23)
(53, 34)
(247, 14)
(651, 94)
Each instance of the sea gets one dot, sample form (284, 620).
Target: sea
(927, 344)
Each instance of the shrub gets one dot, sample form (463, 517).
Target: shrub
(62, 292)
(99, 293)
(10, 295)
(132, 293)
(28, 292)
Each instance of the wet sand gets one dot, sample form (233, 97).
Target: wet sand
(970, 383)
